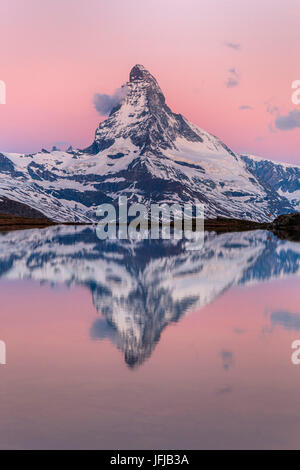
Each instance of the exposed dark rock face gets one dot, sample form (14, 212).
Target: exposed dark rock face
(280, 177)
(8, 206)
(288, 221)
(287, 227)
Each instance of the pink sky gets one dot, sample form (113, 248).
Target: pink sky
(55, 54)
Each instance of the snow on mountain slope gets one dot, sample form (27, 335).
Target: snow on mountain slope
(284, 178)
(139, 287)
(144, 151)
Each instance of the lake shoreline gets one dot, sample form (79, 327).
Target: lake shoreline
(285, 226)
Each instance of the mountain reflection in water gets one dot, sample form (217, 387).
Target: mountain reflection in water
(139, 287)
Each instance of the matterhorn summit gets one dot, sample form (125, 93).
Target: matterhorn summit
(146, 152)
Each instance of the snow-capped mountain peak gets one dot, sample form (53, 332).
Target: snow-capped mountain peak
(143, 117)
(139, 73)
(144, 151)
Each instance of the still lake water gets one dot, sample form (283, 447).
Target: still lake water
(140, 345)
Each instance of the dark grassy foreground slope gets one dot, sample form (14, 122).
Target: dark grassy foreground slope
(286, 226)
(12, 222)
(11, 207)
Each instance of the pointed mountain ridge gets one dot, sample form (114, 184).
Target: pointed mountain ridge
(144, 117)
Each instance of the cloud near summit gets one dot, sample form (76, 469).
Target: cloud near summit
(105, 103)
